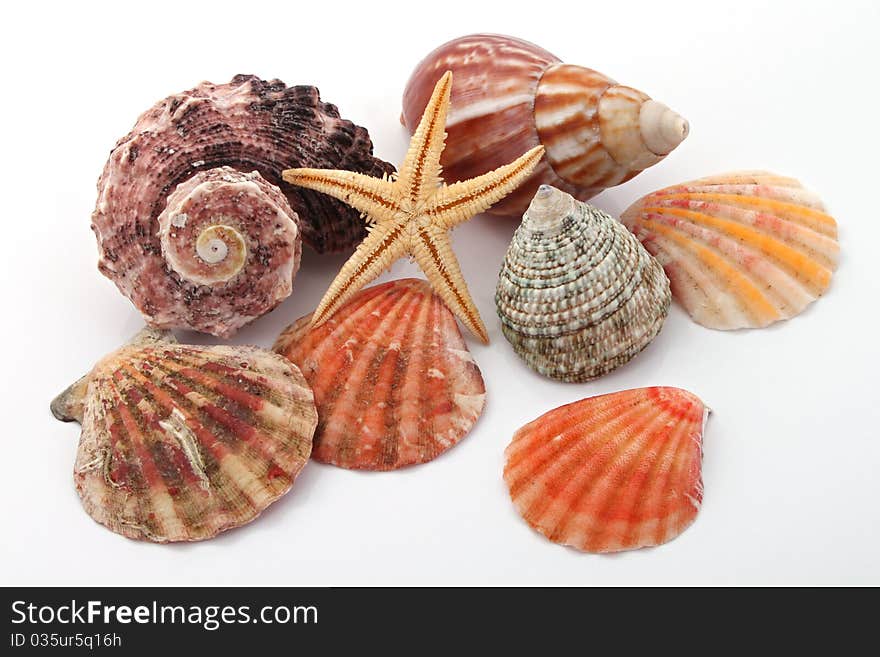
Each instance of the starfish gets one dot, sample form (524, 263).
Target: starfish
(411, 214)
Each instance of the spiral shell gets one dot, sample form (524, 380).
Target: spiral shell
(742, 250)
(509, 95)
(578, 296)
(613, 472)
(394, 382)
(181, 442)
(193, 221)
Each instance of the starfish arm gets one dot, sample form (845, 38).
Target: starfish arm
(382, 247)
(456, 203)
(372, 196)
(433, 253)
(420, 172)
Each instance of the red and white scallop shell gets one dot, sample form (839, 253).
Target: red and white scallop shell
(614, 472)
(394, 382)
(741, 250)
(182, 442)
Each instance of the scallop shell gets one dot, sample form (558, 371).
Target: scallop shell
(181, 442)
(199, 176)
(613, 472)
(742, 250)
(394, 382)
(578, 296)
(509, 95)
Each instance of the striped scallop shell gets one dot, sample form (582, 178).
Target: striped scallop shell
(609, 473)
(509, 95)
(182, 442)
(577, 295)
(742, 250)
(394, 382)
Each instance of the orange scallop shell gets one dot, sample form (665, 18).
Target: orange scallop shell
(394, 382)
(609, 473)
(741, 250)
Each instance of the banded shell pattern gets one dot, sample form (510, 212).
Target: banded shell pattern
(509, 95)
(578, 296)
(609, 473)
(182, 442)
(742, 250)
(394, 382)
(193, 221)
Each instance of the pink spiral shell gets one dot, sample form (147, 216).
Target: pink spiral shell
(206, 163)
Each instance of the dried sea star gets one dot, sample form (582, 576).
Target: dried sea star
(413, 213)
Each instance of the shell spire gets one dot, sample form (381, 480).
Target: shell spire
(662, 129)
(547, 211)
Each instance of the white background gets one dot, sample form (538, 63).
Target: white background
(791, 450)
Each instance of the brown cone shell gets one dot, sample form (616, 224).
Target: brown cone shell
(509, 95)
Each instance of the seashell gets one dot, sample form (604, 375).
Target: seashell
(193, 221)
(578, 296)
(394, 382)
(609, 473)
(741, 250)
(181, 442)
(509, 95)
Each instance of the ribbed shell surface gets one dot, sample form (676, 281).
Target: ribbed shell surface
(394, 382)
(182, 442)
(742, 250)
(579, 301)
(248, 124)
(609, 473)
(491, 118)
(509, 95)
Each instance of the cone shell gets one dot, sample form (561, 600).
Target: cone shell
(210, 160)
(509, 95)
(742, 250)
(181, 442)
(578, 296)
(609, 473)
(394, 382)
